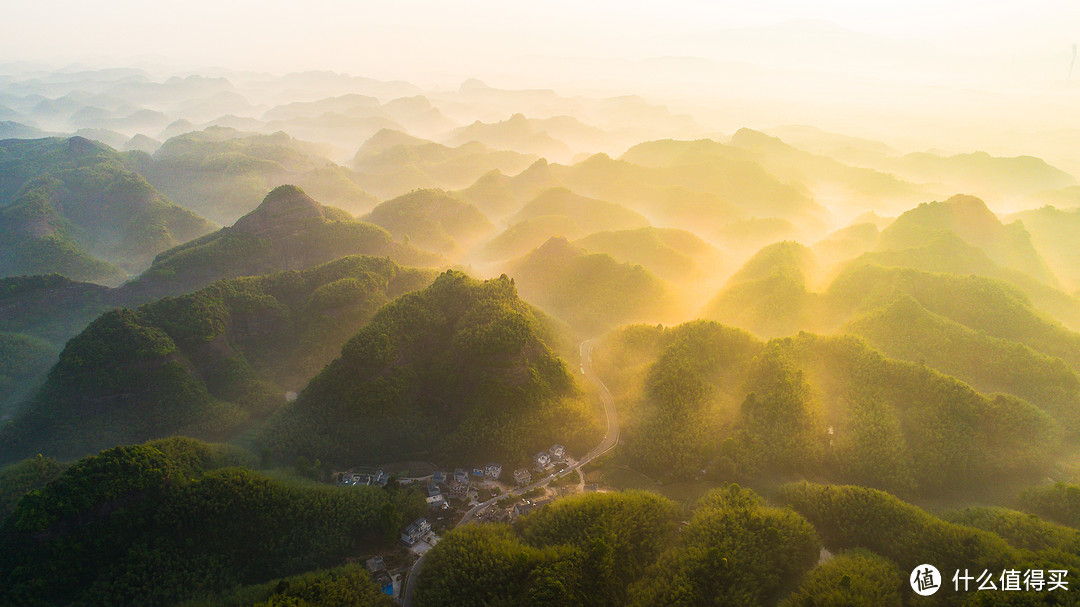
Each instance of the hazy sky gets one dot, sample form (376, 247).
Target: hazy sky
(426, 38)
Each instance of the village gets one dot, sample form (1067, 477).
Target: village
(482, 494)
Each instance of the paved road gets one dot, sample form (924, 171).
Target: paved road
(611, 438)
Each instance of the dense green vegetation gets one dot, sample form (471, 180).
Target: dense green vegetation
(852, 579)
(38, 314)
(742, 409)
(288, 231)
(584, 550)
(345, 586)
(432, 220)
(20, 478)
(623, 549)
(174, 512)
(590, 291)
(673, 255)
(222, 173)
(769, 294)
(73, 207)
(461, 372)
(1054, 232)
(205, 364)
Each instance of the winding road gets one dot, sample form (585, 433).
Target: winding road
(611, 438)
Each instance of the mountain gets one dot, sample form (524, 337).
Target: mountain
(589, 214)
(432, 220)
(498, 194)
(673, 255)
(969, 219)
(769, 295)
(187, 515)
(460, 372)
(980, 173)
(223, 173)
(557, 213)
(515, 133)
(207, 364)
(72, 206)
(1054, 233)
(650, 168)
(38, 314)
(907, 331)
(590, 291)
(992, 307)
(393, 163)
(288, 231)
(749, 409)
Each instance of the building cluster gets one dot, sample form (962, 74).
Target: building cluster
(357, 479)
(458, 484)
(541, 461)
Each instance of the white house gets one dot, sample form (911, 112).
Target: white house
(522, 476)
(493, 471)
(415, 531)
(557, 452)
(541, 460)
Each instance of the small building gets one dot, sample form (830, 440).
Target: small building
(433, 490)
(416, 531)
(457, 490)
(438, 477)
(375, 564)
(347, 478)
(460, 475)
(493, 471)
(478, 473)
(436, 502)
(522, 476)
(541, 460)
(381, 478)
(557, 452)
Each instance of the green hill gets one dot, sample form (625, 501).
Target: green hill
(1055, 232)
(38, 314)
(177, 512)
(989, 306)
(907, 331)
(207, 364)
(223, 173)
(969, 219)
(557, 212)
(460, 372)
(432, 220)
(673, 255)
(590, 214)
(392, 163)
(740, 408)
(528, 234)
(498, 194)
(590, 291)
(288, 231)
(73, 207)
(768, 295)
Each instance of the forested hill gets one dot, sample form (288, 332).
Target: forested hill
(180, 513)
(288, 231)
(461, 372)
(207, 364)
(74, 207)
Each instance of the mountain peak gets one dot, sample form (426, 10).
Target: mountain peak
(283, 209)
